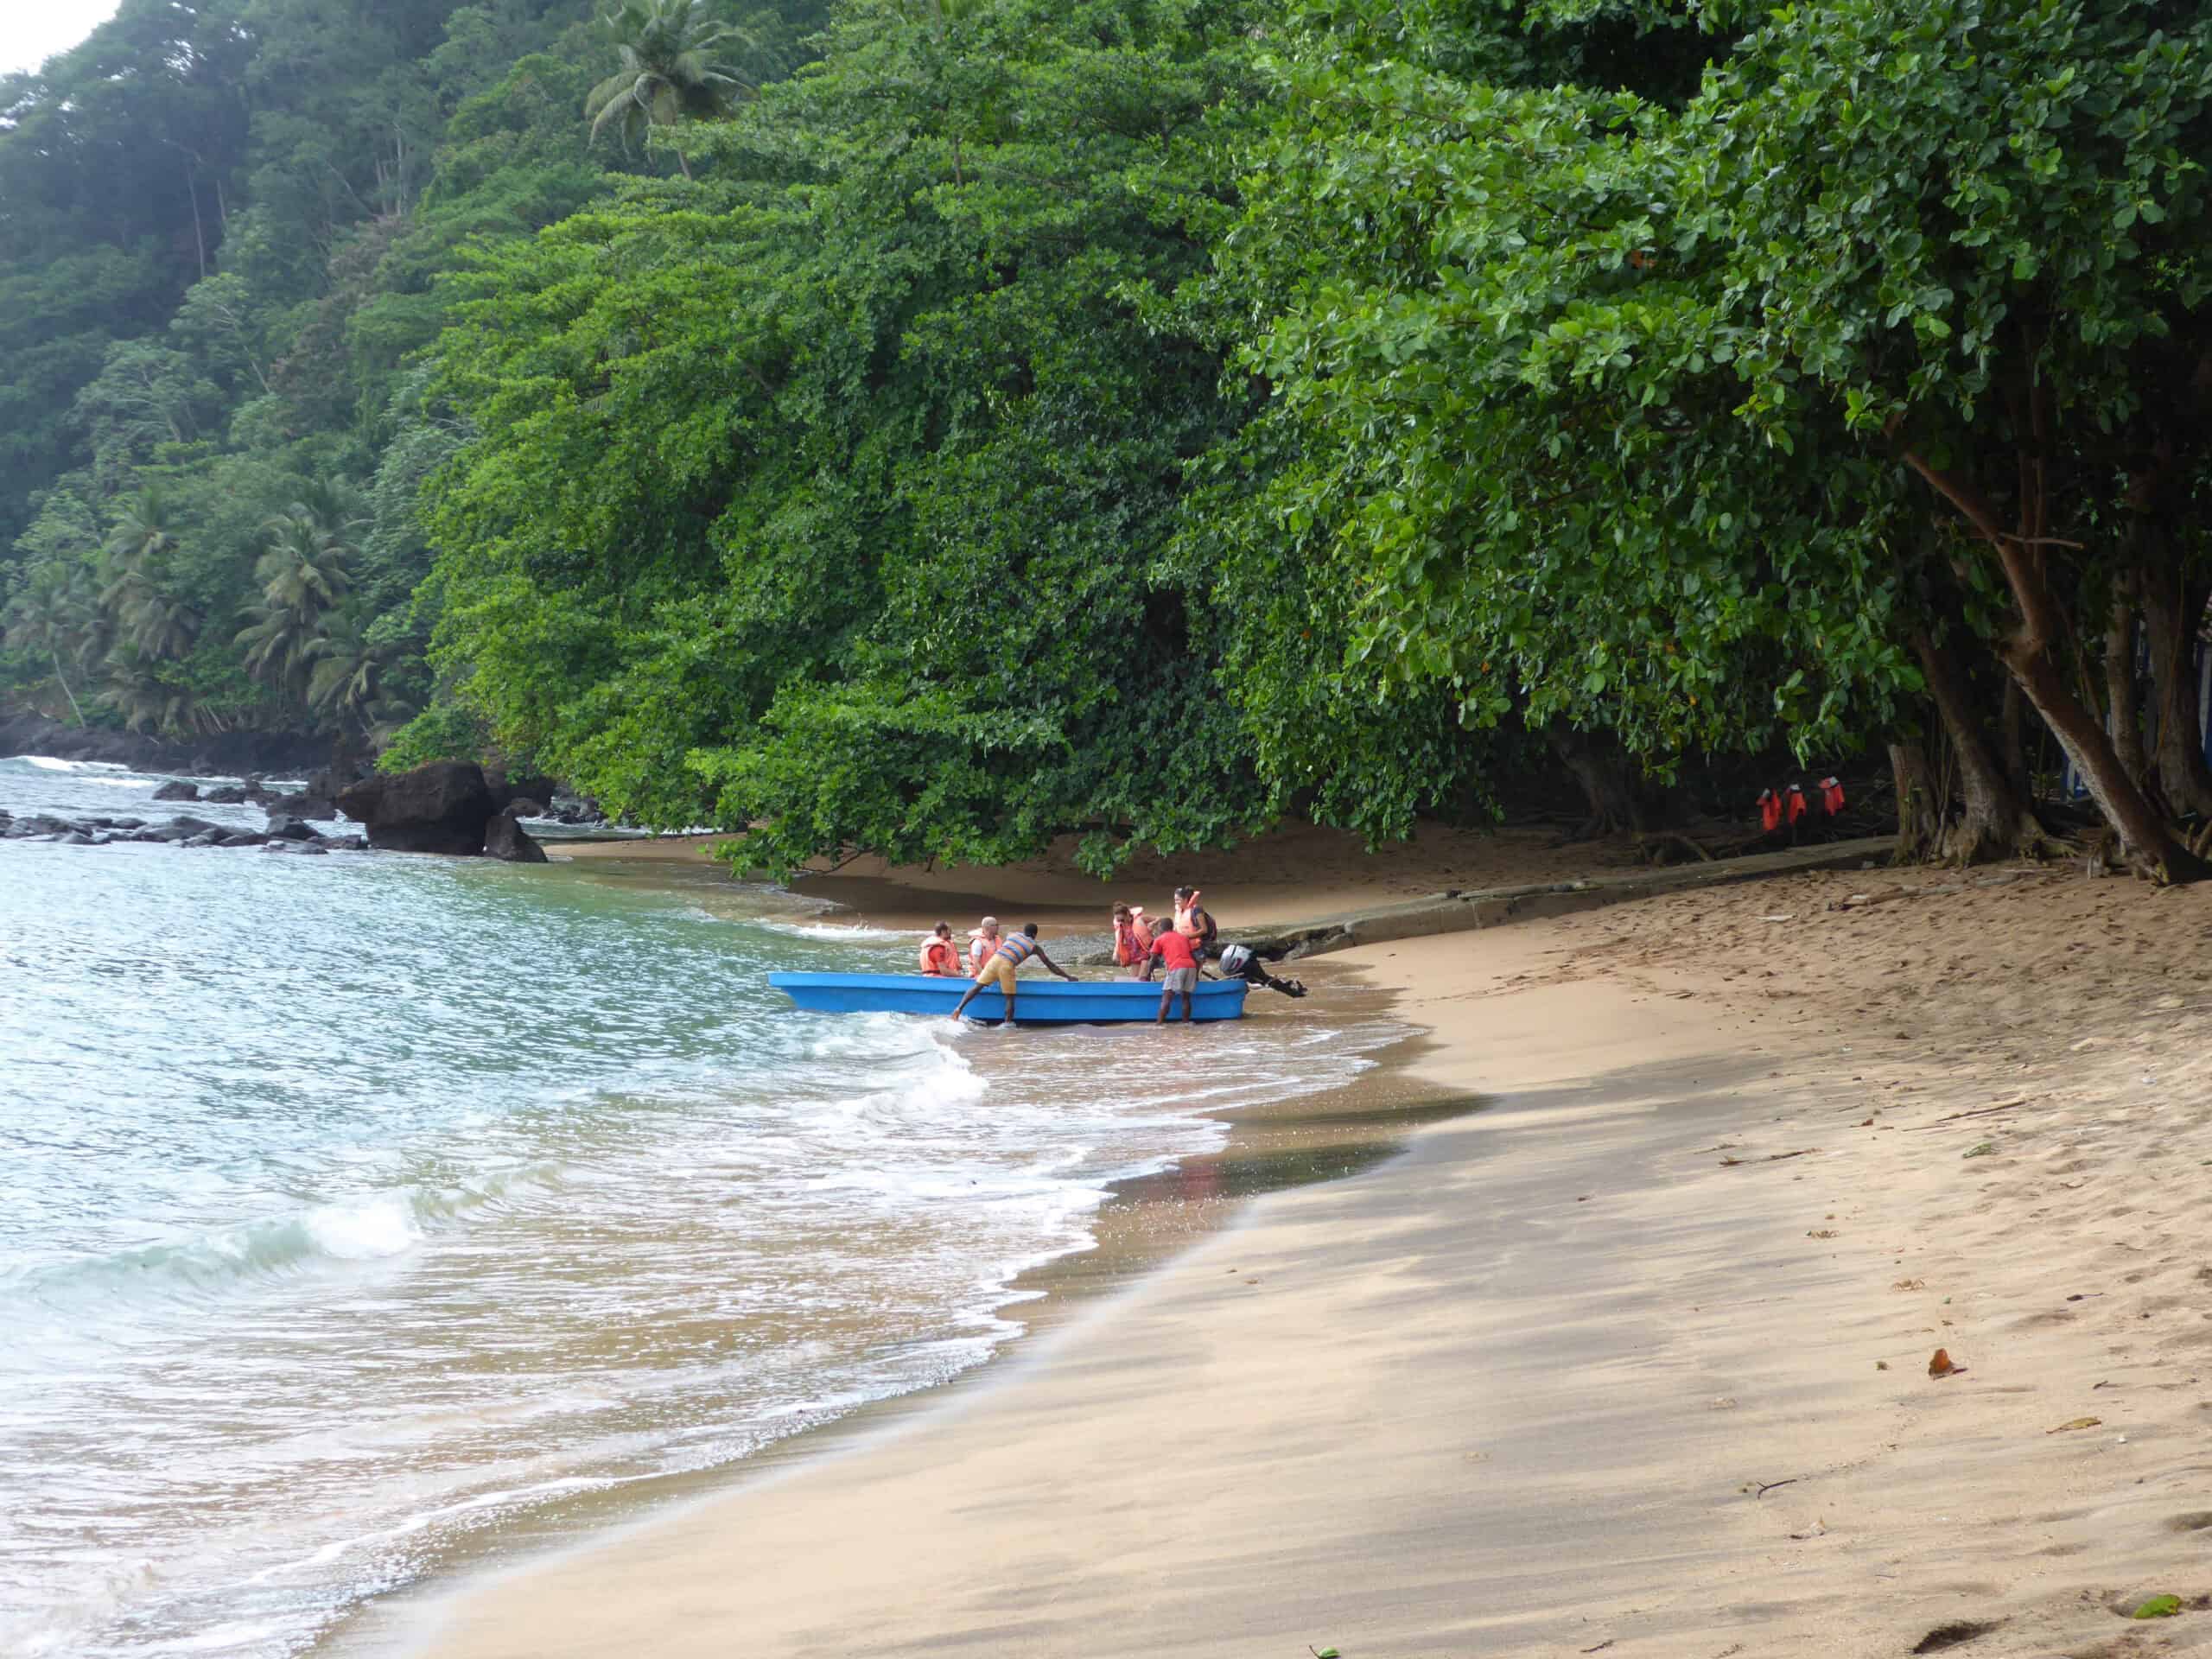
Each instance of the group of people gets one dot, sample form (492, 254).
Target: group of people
(1178, 948)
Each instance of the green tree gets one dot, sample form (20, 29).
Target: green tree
(51, 615)
(304, 575)
(669, 70)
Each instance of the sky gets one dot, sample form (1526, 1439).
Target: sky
(31, 31)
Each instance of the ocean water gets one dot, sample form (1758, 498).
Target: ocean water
(352, 1206)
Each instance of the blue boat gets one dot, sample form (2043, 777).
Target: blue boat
(1040, 1002)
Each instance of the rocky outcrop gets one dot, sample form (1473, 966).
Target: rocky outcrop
(301, 804)
(231, 755)
(523, 807)
(440, 808)
(505, 838)
(177, 790)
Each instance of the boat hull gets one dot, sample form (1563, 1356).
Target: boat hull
(1040, 1002)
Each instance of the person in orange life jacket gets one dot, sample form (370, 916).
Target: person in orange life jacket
(1014, 950)
(1125, 937)
(1194, 922)
(1173, 949)
(939, 959)
(980, 944)
(1142, 930)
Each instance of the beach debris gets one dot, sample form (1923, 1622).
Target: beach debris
(1956, 1633)
(1786, 916)
(1772, 1158)
(1761, 1488)
(1881, 1365)
(1910, 1284)
(1940, 1364)
(2079, 1422)
(1823, 1232)
(1321, 1653)
(1603, 1645)
(1819, 1529)
(1979, 1111)
(2159, 1607)
(1983, 1150)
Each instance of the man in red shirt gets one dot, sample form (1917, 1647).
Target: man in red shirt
(1171, 949)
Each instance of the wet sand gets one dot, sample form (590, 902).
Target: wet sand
(1635, 1357)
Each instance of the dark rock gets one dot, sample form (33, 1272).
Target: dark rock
(124, 824)
(439, 808)
(523, 807)
(179, 829)
(304, 804)
(42, 824)
(347, 843)
(75, 838)
(505, 838)
(314, 847)
(289, 754)
(177, 790)
(244, 838)
(205, 838)
(225, 795)
(507, 789)
(291, 830)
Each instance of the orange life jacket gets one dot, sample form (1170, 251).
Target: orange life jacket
(979, 952)
(939, 957)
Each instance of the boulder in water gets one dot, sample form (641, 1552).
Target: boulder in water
(523, 807)
(290, 829)
(179, 829)
(225, 795)
(244, 838)
(439, 808)
(177, 790)
(505, 838)
(305, 803)
(76, 838)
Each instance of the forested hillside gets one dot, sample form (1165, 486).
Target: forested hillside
(936, 425)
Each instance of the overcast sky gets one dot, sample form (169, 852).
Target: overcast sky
(31, 31)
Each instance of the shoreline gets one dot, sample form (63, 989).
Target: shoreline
(1145, 1221)
(1636, 1355)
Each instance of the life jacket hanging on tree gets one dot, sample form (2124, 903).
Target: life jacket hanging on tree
(1770, 811)
(1832, 795)
(1798, 804)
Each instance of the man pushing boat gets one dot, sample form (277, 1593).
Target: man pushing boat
(999, 967)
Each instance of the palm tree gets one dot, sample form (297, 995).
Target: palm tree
(303, 575)
(52, 614)
(137, 692)
(137, 607)
(667, 71)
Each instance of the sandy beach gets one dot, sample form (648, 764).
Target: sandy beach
(1634, 1359)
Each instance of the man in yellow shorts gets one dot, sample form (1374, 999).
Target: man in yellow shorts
(999, 967)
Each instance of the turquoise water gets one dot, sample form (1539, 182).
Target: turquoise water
(351, 1204)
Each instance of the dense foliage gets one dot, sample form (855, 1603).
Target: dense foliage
(935, 426)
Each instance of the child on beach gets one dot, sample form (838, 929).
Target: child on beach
(1171, 949)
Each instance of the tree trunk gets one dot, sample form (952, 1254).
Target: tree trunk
(1997, 822)
(62, 680)
(1607, 782)
(2123, 705)
(2013, 740)
(2143, 836)
(2171, 607)
(1920, 813)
